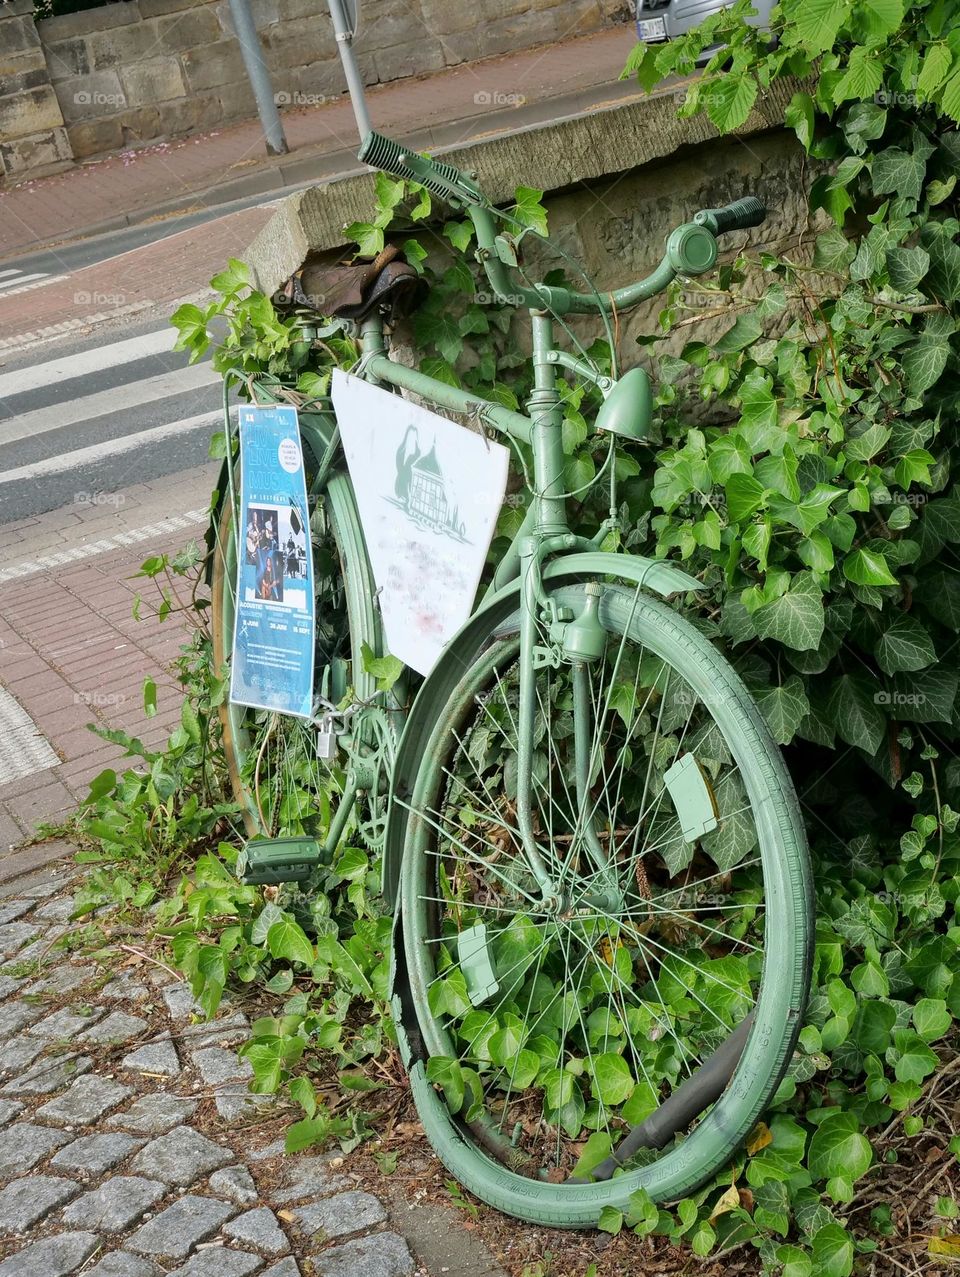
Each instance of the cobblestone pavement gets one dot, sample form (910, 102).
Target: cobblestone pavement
(129, 1143)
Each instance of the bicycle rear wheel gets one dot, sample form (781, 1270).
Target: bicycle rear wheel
(550, 1031)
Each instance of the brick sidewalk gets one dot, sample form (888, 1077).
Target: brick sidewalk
(71, 652)
(482, 96)
(134, 283)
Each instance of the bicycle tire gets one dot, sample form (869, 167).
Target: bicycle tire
(787, 960)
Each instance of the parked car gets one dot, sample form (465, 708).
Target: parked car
(659, 20)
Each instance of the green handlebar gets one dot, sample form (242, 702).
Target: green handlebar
(691, 248)
(737, 216)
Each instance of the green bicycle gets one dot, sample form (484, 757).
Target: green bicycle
(593, 850)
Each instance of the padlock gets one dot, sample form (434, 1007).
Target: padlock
(326, 739)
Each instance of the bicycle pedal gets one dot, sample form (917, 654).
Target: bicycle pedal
(276, 860)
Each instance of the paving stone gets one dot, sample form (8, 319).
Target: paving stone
(286, 1268)
(27, 1200)
(86, 1101)
(15, 909)
(175, 1231)
(8, 985)
(344, 1213)
(228, 1031)
(8, 1110)
(156, 1057)
(65, 979)
(180, 1001)
(94, 1154)
(309, 1177)
(277, 1149)
(235, 1101)
(62, 1025)
(217, 1065)
(53, 1257)
(41, 948)
(48, 1075)
(115, 1205)
(24, 1145)
(259, 1229)
(18, 1053)
(60, 910)
(117, 1027)
(181, 1157)
(382, 1255)
(215, 1261)
(235, 1182)
(153, 1114)
(15, 1016)
(119, 1263)
(14, 935)
(123, 989)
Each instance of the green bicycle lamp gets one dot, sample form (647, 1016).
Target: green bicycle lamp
(628, 408)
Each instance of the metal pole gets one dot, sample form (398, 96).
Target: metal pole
(253, 60)
(344, 26)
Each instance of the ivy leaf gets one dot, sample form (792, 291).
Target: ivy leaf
(943, 278)
(833, 1251)
(838, 1148)
(865, 567)
(367, 237)
(385, 669)
(611, 1219)
(445, 1072)
(745, 331)
(925, 359)
(796, 618)
(529, 210)
(833, 251)
(906, 267)
(459, 234)
(612, 1080)
(899, 172)
(854, 711)
(744, 497)
(931, 1019)
(730, 100)
(287, 939)
(783, 708)
(905, 645)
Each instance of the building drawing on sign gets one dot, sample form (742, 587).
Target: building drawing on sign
(420, 489)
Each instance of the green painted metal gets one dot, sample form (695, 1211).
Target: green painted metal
(555, 601)
(788, 898)
(693, 798)
(275, 860)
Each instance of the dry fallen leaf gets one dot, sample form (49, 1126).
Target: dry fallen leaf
(729, 1200)
(760, 1137)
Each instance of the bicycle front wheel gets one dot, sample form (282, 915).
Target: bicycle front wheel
(549, 1031)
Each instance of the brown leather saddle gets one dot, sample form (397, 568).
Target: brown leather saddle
(353, 290)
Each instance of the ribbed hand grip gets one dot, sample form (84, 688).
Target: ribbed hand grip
(740, 214)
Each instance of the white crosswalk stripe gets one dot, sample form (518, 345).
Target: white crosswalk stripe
(19, 281)
(123, 411)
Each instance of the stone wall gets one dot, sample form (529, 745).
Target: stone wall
(32, 133)
(139, 70)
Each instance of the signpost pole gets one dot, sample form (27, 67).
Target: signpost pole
(344, 15)
(259, 75)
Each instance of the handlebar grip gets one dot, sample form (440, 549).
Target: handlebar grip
(739, 215)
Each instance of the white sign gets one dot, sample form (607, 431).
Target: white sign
(429, 492)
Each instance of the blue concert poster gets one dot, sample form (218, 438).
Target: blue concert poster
(273, 640)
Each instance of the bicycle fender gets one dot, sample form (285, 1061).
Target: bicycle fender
(653, 575)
